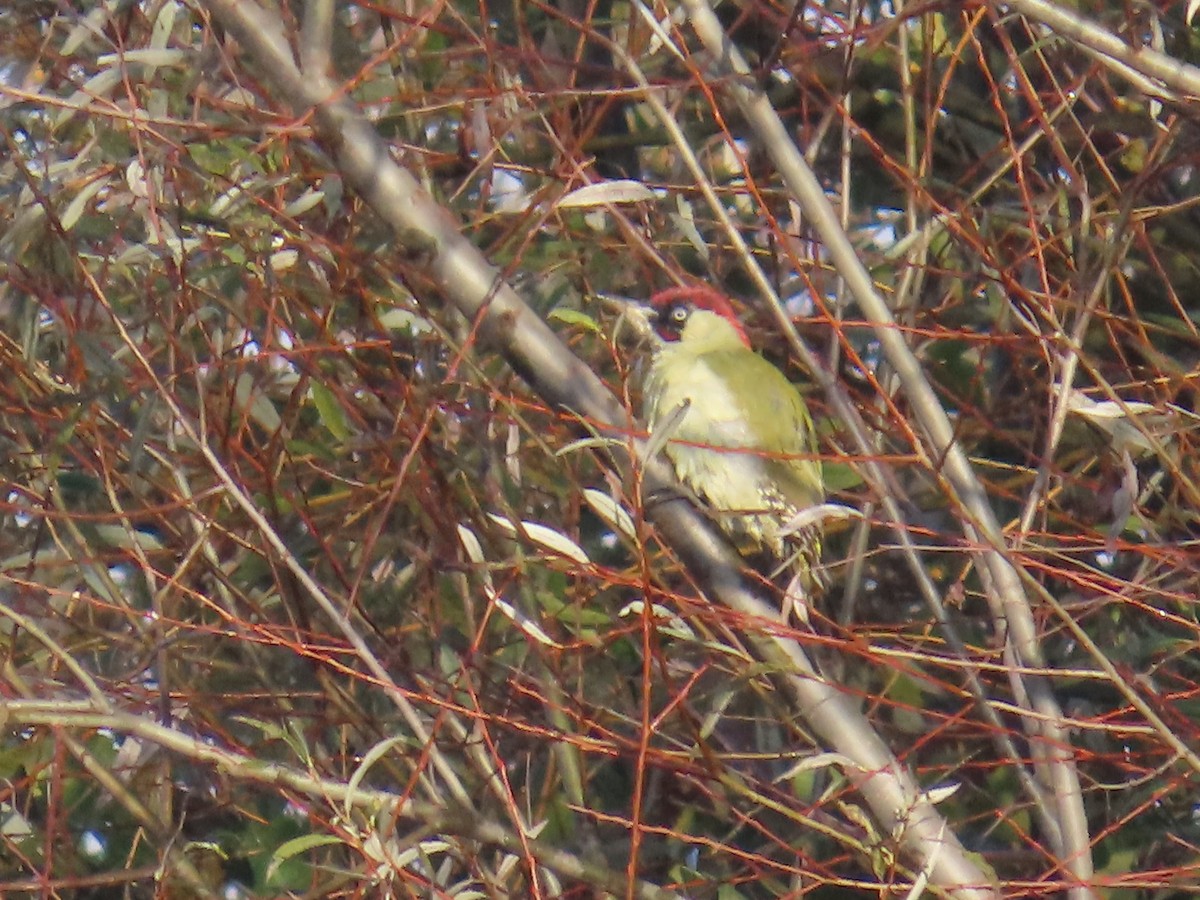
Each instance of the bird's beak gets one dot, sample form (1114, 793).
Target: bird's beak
(632, 313)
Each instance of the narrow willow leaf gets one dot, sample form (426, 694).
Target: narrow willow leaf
(666, 621)
(527, 625)
(98, 86)
(575, 318)
(471, 545)
(295, 847)
(92, 26)
(589, 443)
(824, 512)
(372, 756)
(512, 454)
(687, 224)
(665, 431)
(283, 260)
(399, 319)
(255, 403)
(148, 56)
(936, 795)
(818, 761)
(304, 203)
(612, 513)
(661, 38)
(546, 537)
(75, 209)
(333, 417)
(164, 23)
(125, 539)
(604, 193)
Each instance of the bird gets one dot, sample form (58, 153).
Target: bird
(738, 433)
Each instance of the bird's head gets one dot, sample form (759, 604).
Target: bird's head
(685, 313)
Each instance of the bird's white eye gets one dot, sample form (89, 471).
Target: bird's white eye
(679, 314)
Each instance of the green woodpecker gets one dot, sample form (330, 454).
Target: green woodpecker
(739, 433)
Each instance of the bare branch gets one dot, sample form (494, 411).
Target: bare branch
(477, 290)
(1010, 607)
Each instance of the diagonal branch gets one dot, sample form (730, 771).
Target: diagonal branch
(1011, 609)
(475, 287)
(1143, 66)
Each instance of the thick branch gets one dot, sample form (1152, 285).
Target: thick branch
(476, 288)
(1010, 607)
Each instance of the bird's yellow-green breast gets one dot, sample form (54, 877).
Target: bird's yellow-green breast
(745, 442)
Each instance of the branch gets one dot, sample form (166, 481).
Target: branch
(476, 288)
(1129, 62)
(1010, 608)
(373, 805)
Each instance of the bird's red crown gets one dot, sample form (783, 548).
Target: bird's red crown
(673, 306)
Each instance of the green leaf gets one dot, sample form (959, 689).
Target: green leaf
(259, 407)
(77, 205)
(295, 847)
(333, 417)
(576, 319)
(839, 476)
